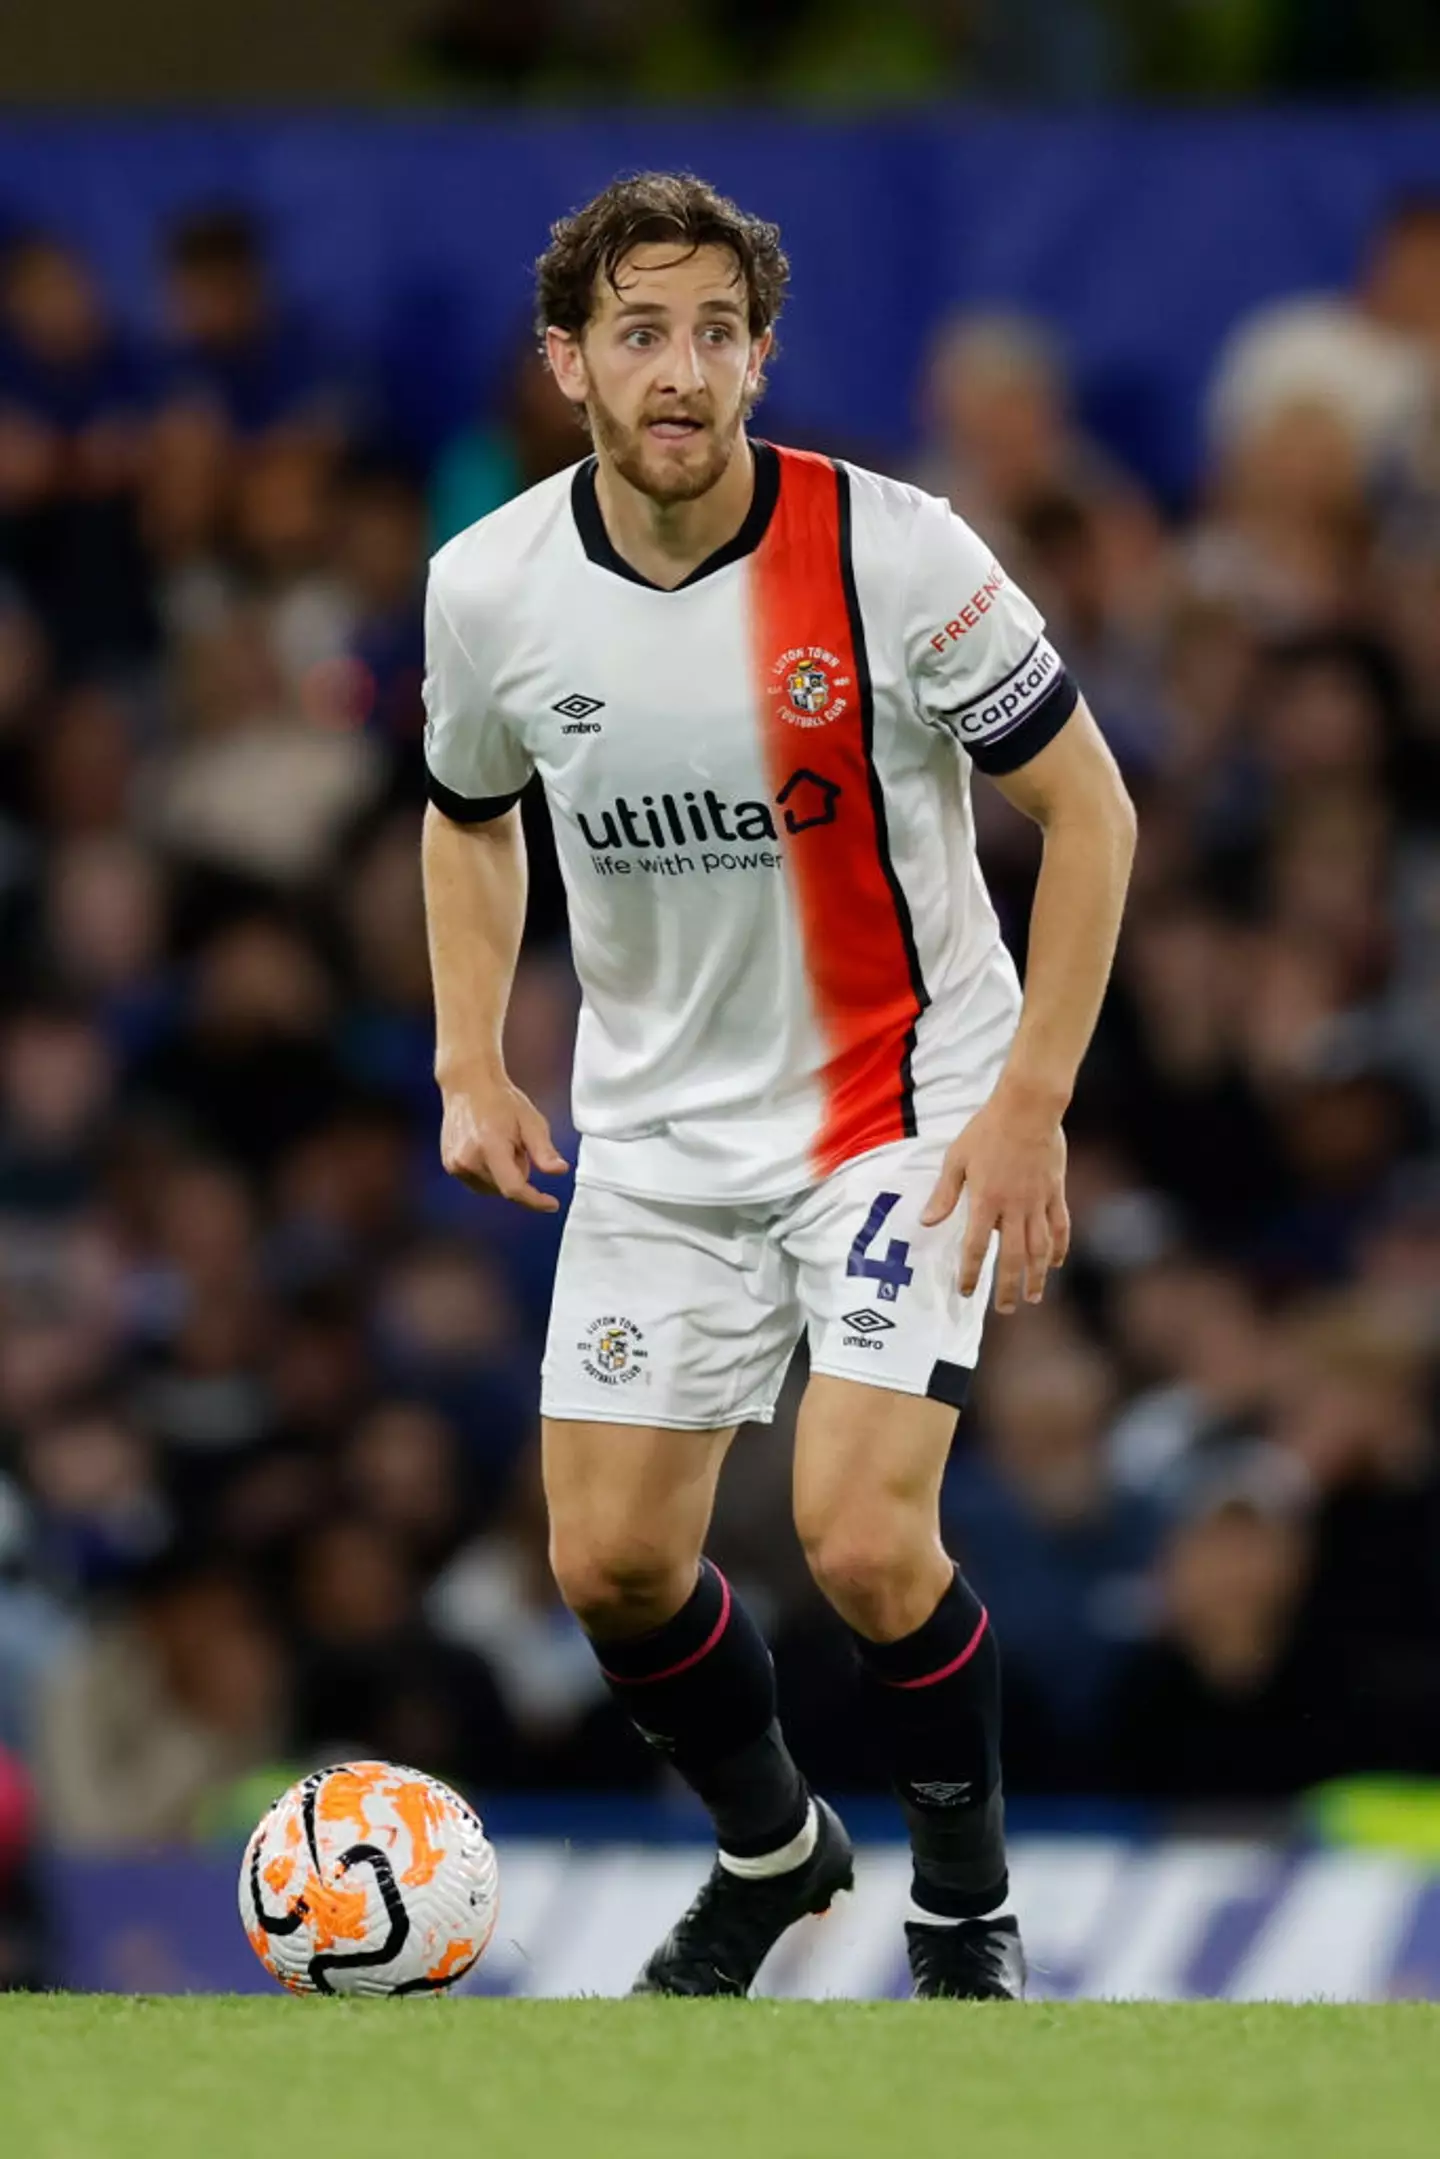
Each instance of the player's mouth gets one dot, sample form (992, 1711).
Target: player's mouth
(674, 430)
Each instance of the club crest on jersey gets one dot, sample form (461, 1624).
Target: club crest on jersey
(809, 684)
(612, 1350)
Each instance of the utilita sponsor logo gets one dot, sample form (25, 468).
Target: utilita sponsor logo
(700, 817)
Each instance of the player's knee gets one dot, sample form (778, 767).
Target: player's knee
(620, 1585)
(865, 1564)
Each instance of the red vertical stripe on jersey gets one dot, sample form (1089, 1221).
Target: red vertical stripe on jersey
(854, 923)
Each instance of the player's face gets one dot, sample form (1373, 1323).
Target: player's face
(667, 368)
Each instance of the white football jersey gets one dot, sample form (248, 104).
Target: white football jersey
(760, 788)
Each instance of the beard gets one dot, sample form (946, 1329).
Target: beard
(667, 472)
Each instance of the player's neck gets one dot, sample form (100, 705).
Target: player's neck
(666, 541)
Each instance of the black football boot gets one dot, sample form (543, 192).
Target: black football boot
(977, 1960)
(730, 1929)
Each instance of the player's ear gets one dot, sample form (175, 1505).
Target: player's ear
(759, 354)
(567, 364)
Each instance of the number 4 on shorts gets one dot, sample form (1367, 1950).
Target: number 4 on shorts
(891, 1272)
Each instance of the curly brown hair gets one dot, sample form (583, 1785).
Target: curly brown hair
(592, 243)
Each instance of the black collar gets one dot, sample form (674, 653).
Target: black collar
(600, 548)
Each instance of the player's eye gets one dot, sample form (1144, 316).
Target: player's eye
(640, 338)
(719, 333)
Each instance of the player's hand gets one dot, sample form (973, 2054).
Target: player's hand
(492, 1137)
(1010, 1163)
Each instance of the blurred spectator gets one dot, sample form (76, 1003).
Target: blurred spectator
(373, 1676)
(74, 398)
(1325, 414)
(390, 1029)
(1289, 527)
(206, 1394)
(997, 413)
(72, 394)
(321, 1372)
(234, 352)
(1368, 357)
(83, 765)
(497, 1596)
(380, 553)
(447, 1334)
(1055, 1551)
(250, 1067)
(35, 1627)
(62, 1307)
(280, 579)
(1173, 1078)
(404, 1470)
(97, 1512)
(341, 1195)
(255, 786)
(1230, 1701)
(1198, 1335)
(1356, 1410)
(155, 1709)
(536, 435)
(1100, 568)
(1400, 282)
(55, 1080)
(104, 932)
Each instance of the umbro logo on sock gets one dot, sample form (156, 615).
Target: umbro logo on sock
(941, 1795)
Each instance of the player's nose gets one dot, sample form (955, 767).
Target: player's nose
(683, 373)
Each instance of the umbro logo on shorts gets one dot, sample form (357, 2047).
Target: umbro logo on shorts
(578, 708)
(866, 1321)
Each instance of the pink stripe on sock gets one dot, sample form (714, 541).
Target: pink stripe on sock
(673, 1671)
(956, 1664)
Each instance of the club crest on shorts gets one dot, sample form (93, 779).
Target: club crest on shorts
(808, 685)
(612, 1350)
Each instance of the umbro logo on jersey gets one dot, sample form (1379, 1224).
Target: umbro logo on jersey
(867, 1321)
(579, 708)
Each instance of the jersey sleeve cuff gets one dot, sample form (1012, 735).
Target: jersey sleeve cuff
(468, 809)
(1042, 725)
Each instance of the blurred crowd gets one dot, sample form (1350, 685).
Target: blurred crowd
(268, 1476)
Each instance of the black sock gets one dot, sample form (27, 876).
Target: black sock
(937, 1693)
(701, 1691)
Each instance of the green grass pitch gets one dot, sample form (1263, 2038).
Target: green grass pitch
(97, 2077)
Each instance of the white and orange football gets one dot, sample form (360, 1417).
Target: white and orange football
(368, 1879)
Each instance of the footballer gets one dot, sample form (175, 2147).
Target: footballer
(755, 683)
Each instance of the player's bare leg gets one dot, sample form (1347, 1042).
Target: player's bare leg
(868, 1469)
(629, 1511)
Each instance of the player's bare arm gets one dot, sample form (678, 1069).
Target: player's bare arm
(1010, 1158)
(492, 1136)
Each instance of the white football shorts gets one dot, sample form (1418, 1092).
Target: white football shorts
(686, 1316)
